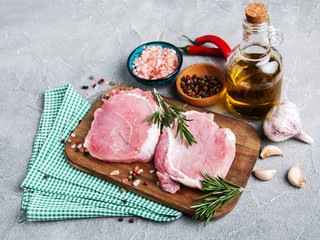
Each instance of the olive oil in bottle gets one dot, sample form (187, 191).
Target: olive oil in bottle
(253, 86)
(254, 69)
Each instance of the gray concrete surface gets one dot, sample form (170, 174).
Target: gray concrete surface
(44, 44)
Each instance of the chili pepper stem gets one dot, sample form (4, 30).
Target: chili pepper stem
(185, 48)
(193, 42)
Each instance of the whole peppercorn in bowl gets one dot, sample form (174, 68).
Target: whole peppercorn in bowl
(201, 84)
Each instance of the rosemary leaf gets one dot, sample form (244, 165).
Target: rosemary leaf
(167, 114)
(220, 193)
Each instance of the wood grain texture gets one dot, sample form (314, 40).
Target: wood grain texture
(247, 149)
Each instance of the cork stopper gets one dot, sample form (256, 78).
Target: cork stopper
(256, 13)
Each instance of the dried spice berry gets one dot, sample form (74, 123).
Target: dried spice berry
(85, 87)
(200, 87)
(124, 201)
(101, 81)
(91, 77)
(120, 219)
(131, 220)
(111, 83)
(62, 141)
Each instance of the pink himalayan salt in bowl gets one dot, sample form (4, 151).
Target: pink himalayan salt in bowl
(155, 63)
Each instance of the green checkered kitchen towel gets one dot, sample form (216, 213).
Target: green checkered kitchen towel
(54, 190)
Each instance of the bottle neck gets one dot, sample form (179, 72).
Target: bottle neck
(255, 42)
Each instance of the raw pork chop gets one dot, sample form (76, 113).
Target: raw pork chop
(119, 133)
(213, 154)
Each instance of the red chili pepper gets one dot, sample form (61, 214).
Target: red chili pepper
(220, 43)
(197, 50)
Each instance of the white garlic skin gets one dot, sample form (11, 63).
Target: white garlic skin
(283, 122)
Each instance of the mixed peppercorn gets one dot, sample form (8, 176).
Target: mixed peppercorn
(200, 87)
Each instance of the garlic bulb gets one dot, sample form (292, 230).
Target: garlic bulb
(283, 122)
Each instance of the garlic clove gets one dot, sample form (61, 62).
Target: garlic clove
(295, 177)
(271, 150)
(265, 174)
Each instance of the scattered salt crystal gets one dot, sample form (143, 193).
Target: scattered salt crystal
(136, 183)
(73, 146)
(151, 171)
(84, 145)
(140, 171)
(80, 145)
(69, 140)
(72, 135)
(115, 172)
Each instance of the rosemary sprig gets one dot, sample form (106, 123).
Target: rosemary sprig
(222, 192)
(166, 116)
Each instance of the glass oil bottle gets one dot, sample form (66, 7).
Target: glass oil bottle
(254, 68)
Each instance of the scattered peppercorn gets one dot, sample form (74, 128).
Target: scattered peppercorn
(145, 183)
(200, 87)
(120, 219)
(77, 150)
(124, 201)
(86, 153)
(45, 176)
(94, 85)
(91, 77)
(111, 83)
(62, 141)
(131, 220)
(101, 81)
(85, 87)
(122, 190)
(106, 97)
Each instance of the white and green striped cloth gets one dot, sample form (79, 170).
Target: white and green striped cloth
(54, 190)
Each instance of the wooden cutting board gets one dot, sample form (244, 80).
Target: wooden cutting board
(247, 150)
